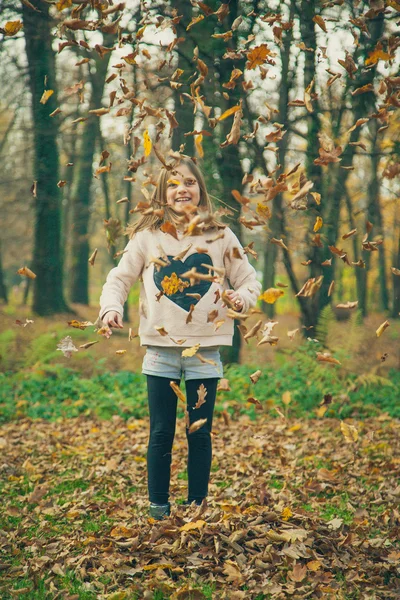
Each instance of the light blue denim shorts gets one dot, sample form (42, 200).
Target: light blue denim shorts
(169, 362)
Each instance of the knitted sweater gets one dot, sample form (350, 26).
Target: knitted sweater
(159, 260)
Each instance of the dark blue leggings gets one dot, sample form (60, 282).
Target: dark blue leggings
(162, 407)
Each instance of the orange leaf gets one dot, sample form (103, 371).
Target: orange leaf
(170, 228)
(257, 56)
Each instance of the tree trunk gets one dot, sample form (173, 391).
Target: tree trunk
(79, 278)
(3, 289)
(277, 221)
(228, 161)
(47, 259)
(184, 112)
(395, 311)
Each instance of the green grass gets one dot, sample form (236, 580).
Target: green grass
(53, 391)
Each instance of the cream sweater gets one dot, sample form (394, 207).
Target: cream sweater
(170, 310)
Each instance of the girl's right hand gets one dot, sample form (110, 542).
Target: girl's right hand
(112, 319)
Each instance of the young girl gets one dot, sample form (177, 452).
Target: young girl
(184, 258)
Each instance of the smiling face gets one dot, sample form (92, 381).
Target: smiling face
(182, 188)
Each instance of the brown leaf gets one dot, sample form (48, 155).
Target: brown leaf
(170, 229)
(181, 396)
(197, 425)
(202, 393)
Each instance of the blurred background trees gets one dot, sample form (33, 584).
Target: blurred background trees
(313, 163)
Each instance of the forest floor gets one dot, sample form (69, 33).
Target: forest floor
(295, 509)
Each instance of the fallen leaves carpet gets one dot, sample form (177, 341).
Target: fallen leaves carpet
(294, 510)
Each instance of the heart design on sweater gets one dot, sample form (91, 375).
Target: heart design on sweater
(179, 267)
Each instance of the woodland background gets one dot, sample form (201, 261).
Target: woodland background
(83, 83)
(292, 111)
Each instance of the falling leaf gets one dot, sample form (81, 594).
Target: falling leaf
(382, 328)
(169, 228)
(229, 112)
(191, 351)
(201, 393)
(12, 28)
(92, 257)
(271, 295)
(320, 21)
(66, 346)
(223, 385)
(88, 345)
(257, 56)
(378, 54)
(26, 272)
(80, 324)
(197, 425)
(147, 143)
(171, 285)
(253, 400)
(194, 21)
(46, 95)
(348, 304)
(279, 243)
(326, 357)
(255, 376)
(198, 143)
(318, 224)
(178, 391)
(291, 334)
(161, 330)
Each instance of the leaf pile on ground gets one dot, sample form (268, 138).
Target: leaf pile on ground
(297, 508)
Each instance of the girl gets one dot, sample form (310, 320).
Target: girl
(183, 257)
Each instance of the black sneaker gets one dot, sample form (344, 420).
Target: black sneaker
(188, 503)
(159, 511)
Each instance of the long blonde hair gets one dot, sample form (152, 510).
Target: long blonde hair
(159, 200)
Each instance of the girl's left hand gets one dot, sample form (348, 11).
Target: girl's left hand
(236, 299)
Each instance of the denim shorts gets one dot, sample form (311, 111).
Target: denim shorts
(168, 362)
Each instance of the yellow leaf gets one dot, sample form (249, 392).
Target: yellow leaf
(198, 140)
(45, 96)
(271, 295)
(140, 32)
(314, 565)
(318, 224)
(191, 351)
(194, 21)
(286, 398)
(382, 328)
(229, 112)
(286, 514)
(12, 27)
(263, 210)
(62, 4)
(158, 566)
(378, 54)
(193, 525)
(147, 143)
(172, 285)
(295, 427)
(349, 431)
(121, 531)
